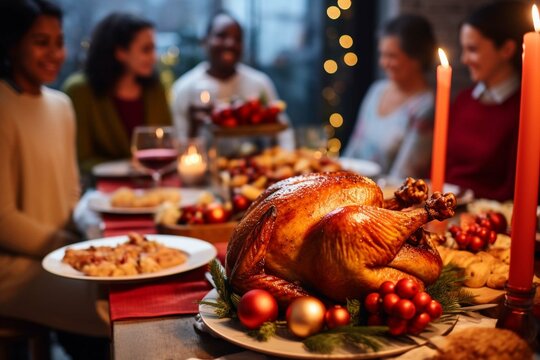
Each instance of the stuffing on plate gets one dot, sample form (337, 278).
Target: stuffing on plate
(136, 256)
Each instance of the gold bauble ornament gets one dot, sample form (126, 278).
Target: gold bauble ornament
(305, 316)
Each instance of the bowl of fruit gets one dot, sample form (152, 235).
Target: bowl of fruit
(250, 117)
(208, 219)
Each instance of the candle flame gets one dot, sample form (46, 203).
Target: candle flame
(205, 96)
(191, 157)
(159, 133)
(444, 59)
(536, 18)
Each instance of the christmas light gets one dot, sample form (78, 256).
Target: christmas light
(333, 12)
(330, 66)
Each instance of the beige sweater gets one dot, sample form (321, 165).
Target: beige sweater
(39, 187)
(38, 172)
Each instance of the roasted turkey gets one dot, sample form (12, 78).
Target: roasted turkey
(333, 235)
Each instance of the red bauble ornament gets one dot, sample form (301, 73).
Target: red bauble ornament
(406, 288)
(421, 300)
(389, 301)
(386, 287)
(396, 326)
(257, 307)
(498, 221)
(337, 316)
(215, 214)
(462, 239)
(492, 237)
(240, 202)
(404, 309)
(485, 223)
(418, 323)
(434, 309)
(476, 244)
(372, 303)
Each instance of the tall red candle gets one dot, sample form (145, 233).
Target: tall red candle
(528, 165)
(442, 105)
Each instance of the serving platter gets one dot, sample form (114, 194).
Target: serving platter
(285, 345)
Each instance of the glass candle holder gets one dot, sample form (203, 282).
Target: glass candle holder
(193, 162)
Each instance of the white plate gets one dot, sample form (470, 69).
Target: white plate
(362, 167)
(199, 254)
(100, 202)
(120, 168)
(287, 346)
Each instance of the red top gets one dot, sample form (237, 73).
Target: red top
(482, 146)
(130, 112)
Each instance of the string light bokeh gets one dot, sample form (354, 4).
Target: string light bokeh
(344, 58)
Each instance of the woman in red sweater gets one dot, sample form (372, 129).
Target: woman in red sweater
(484, 119)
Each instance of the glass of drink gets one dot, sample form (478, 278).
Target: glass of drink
(154, 148)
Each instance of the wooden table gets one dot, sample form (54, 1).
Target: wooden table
(172, 337)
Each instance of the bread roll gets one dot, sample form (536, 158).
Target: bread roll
(477, 274)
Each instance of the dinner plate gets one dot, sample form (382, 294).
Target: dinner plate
(101, 202)
(362, 167)
(199, 253)
(112, 169)
(285, 345)
(120, 169)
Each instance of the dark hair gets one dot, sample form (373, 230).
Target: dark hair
(415, 36)
(16, 18)
(117, 30)
(502, 21)
(210, 25)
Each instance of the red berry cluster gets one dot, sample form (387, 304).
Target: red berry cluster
(251, 112)
(481, 233)
(402, 307)
(213, 213)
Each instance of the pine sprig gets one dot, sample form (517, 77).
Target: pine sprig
(225, 305)
(448, 290)
(353, 307)
(361, 337)
(266, 331)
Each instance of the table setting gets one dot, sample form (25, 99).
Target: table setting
(320, 262)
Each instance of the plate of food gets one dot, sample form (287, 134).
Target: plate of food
(129, 257)
(286, 345)
(141, 201)
(361, 167)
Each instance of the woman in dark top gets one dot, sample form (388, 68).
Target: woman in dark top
(118, 90)
(484, 119)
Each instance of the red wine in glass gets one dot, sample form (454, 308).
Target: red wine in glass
(154, 148)
(156, 159)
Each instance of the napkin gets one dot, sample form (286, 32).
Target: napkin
(175, 295)
(171, 296)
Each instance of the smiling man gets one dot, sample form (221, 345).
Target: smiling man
(223, 76)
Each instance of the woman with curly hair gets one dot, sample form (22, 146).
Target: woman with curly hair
(118, 89)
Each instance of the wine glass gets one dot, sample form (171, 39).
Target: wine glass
(154, 148)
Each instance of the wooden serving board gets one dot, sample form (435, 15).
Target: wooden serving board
(486, 295)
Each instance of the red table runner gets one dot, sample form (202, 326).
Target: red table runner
(173, 295)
